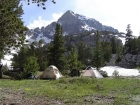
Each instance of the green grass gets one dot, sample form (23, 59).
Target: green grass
(72, 90)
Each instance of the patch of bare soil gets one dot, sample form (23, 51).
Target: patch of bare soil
(100, 100)
(18, 98)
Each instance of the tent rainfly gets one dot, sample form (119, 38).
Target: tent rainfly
(51, 72)
(91, 72)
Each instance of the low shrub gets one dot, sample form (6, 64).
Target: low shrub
(104, 73)
(115, 74)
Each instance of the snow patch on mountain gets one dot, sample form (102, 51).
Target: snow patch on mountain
(29, 38)
(122, 39)
(72, 13)
(51, 33)
(82, 17)
(86, 27)
(45, 39)
(65, 33)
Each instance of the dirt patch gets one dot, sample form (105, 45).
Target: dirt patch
(99, 100)
(7, 97)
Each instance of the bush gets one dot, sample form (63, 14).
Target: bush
(30, 66)
(104, 73)
(75, 72)
(115, 74)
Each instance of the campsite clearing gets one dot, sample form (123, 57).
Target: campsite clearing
(71, 91)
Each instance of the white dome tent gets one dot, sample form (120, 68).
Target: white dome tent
(91, 72)
(51, 72)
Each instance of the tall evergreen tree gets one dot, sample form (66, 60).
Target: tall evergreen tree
(107, 51)
(113, 45)
(98, 59)
(129, 38)
(12, 30)
(20, 58)
(56, 50)
(135, 46)
(73, 59)
(40, 52)
(81, 51)
(88, 55)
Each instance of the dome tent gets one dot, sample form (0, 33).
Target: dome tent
(51, 72)
(91, 72)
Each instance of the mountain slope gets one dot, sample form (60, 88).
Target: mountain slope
(79, 23)
(72, 24)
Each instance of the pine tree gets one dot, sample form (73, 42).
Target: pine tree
(88, 55)
(73, 59)
(113, 45)
(98, 59)
(56, 50)
(12, 30)
(107, 51)
(128, 39)
(135, 45)
(85, 53)
(81, 51)
(19, 59)
(40, 52)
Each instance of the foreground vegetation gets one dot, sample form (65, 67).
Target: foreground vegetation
(79, 90)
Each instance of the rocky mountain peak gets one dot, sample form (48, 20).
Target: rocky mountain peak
(73, 24)
(68, 17)
(82, 23)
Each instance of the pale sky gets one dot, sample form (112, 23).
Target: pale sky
(115, 13)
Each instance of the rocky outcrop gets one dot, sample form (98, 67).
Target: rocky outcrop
(130, 61)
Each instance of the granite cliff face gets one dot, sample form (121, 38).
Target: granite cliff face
(73, 24)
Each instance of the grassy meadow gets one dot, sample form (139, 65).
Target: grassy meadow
(79, 90)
